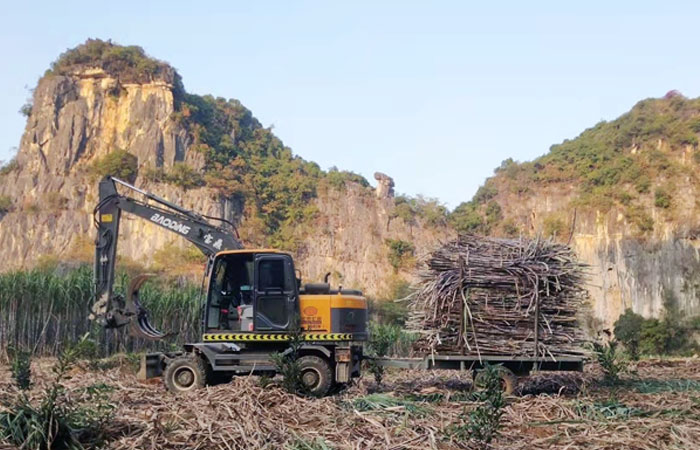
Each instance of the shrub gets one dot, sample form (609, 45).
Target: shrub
(655, 337)
(643, 184)
(5, 204)
(386, 340)
(662, 199)
(387, 312)
(404, 210)
(483, 423)
(184, 176)
(628, 330)
(20, 365)
(553, 226)
(118, 163)
(128, 63)
(399, 252)
(466, 218)
(338, 178)
(485, 193)
(287, 363)
(26, 109)
(610, 360)
(510, 229)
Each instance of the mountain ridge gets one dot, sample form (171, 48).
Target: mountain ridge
(624, 192)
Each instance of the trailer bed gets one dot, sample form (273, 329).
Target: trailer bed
(519, 365)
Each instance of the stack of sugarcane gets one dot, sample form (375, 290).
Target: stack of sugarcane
(486, 296)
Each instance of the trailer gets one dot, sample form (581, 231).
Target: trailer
(509, 367)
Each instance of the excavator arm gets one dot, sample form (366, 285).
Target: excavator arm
(114, 311)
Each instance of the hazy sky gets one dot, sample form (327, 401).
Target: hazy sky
(435, 94)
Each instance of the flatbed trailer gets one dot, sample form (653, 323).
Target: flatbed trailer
(510, 367)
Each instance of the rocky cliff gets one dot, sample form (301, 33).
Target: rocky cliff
(625, 193)
(85, 109)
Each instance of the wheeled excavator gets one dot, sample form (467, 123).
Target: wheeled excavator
(253, 304)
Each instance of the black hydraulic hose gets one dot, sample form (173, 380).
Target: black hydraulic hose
(221, 219)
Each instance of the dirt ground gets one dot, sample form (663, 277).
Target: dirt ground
(657, 405)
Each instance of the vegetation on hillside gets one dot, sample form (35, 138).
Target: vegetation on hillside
(620, 163)
(118, 163)
(127, 63)
(242, 158)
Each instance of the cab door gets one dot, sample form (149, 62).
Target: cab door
(275, 293)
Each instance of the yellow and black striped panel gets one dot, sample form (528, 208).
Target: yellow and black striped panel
(248, 337)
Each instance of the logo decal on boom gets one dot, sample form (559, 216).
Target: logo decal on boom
(171, 224)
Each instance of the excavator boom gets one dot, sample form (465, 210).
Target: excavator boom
(114, 311)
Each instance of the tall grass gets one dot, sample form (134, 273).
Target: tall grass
(43, 310)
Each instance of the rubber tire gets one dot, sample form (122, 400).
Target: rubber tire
(508, 380)
(324, 376)
(182, 364)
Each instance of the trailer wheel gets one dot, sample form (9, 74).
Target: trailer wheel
(508, 380)
(185, 373)
(316, 375)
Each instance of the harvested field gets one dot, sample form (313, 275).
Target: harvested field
(658, 407)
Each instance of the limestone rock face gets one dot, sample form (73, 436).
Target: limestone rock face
(645, 273)
(82, 116)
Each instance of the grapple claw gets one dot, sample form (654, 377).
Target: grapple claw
(142, 326)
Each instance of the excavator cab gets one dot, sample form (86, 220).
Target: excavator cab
(251, 290)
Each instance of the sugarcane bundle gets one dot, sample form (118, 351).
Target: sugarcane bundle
(489, 296)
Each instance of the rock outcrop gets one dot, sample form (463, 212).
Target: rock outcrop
(385, 185)
(82, 116)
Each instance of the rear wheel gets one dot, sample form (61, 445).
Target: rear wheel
(315, 375)
(185, 373)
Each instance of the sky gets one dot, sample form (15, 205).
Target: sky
(435, 94)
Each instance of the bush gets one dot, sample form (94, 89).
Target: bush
(287, 363)
(668, 336)
(610, 360)
(5, 204)
(399, 252)
(20, 365)
(338, 178)
(26, 109)
(467, 218)
(628, 330)
(118, 163)
(184, 176)
(128, 63)
(662, 199)
(483, 423)
(387, 312)
(554, 227)
(386, 340)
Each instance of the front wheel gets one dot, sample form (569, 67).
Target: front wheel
(185, 373)
(315, 375)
